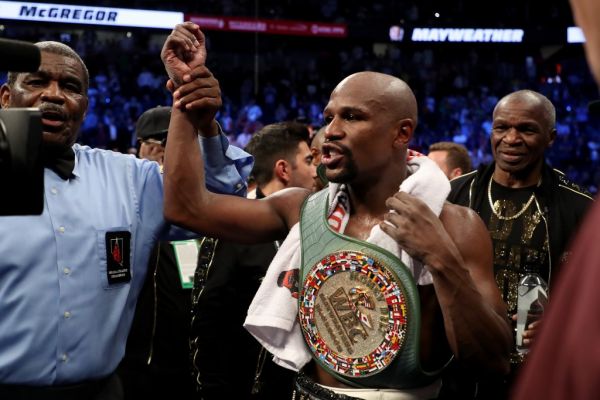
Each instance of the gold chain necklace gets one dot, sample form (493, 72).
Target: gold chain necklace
(495, 207)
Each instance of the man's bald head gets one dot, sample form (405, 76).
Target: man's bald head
(370, 120)
(389, 94)
(522, 130)
(531, 100)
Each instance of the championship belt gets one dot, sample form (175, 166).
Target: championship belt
(359, 306)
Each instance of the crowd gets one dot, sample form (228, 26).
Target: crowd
(367, 14)
(292, 78)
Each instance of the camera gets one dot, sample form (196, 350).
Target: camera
(21, 166)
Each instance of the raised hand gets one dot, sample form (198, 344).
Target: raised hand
(184, 50)
(201, 96)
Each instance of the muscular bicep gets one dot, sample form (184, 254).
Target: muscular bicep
(243, 220)
(473, 241)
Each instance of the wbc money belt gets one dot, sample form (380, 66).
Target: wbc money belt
(358, 306)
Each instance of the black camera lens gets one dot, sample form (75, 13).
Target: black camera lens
(21, 167)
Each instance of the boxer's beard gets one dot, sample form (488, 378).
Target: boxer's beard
(348, 173)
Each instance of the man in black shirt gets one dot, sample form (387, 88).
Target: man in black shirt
(530, 209)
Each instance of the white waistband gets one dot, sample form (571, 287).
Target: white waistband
(423, 393)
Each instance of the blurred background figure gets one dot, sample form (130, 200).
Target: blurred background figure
(315, 148)
(452, 158)
(151, 132)
(587, 16)
(564, 362)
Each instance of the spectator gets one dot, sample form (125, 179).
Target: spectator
(452, 158)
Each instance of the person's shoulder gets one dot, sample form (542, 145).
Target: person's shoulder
(465, 227)
(288, 203)
(456, 212)
(459, 185)
(95, 153)
(295, 195)
(110, 157)
(463, 222)
(462, 179)
(570, 188)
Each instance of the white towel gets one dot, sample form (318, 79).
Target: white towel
(272, 316)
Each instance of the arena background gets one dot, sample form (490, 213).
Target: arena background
(279, 60)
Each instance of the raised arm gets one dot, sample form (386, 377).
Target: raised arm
(187, 202)
(227, 166)
(457, 250)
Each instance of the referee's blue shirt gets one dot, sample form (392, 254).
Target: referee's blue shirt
(62, 319)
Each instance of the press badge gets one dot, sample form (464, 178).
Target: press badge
(186, 255)
(118, 252)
